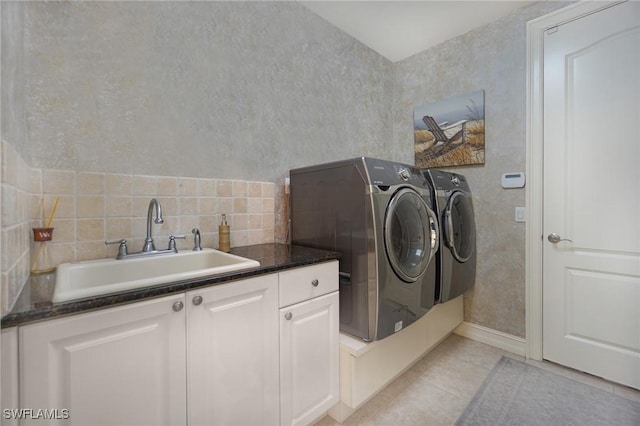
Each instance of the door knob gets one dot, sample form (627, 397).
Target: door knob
(197, 300)
(555, 238)
(177, 306)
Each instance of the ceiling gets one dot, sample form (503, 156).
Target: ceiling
(399, 29)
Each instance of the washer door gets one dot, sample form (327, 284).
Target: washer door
(460, 230)
(410, 234)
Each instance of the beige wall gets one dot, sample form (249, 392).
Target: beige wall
(234, 90)
(16, 190)
(492, 58)
(245, 91)
(94, 207)
(176, 91)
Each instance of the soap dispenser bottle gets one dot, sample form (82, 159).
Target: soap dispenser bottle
(224, 235)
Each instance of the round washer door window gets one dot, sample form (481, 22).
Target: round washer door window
(460, 230)
(410, 234)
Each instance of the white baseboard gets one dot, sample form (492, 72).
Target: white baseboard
(492, 337)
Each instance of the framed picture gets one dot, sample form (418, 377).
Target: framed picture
(450, 132)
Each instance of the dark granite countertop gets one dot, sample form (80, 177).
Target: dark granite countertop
(34, 302)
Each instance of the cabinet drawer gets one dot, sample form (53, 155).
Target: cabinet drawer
(307, 282)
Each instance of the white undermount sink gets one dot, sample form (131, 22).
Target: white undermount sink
(78, 280)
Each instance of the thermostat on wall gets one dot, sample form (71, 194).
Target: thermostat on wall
(513, 180)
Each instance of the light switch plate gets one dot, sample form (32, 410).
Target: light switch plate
(521, 214)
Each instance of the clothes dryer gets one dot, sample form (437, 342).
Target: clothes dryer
(456, 259)
(378, 215)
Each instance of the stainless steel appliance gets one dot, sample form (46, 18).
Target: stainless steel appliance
(378, 215)
(456, 258)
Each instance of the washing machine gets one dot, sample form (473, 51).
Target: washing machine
(379, 216)
(456, 258)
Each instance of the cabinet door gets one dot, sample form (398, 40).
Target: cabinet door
(309, 374)
(9, 374)
(232, 334)
(123, 365)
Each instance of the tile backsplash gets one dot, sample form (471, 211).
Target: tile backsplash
(18, 185)
(95, 207)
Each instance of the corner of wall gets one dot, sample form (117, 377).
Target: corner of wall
(15, 195)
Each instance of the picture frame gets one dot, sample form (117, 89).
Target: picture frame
(450, 132)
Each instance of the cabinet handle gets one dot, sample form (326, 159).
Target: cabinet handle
(288, 316)
(177, 306)
(315, 282)
(197, 300)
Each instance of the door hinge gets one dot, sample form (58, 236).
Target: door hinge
(551, 30)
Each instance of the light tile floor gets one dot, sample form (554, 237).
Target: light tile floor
(436, 390)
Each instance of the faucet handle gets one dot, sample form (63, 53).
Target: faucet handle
(172, 241)
(122, 249)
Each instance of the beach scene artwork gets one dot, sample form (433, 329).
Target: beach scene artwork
(450, 132)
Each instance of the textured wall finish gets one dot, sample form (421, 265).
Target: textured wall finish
(239, 91)
(249, 90)
(234, 90)
(13, 82)
(491, 58)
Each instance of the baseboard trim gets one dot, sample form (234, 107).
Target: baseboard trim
(489, 336)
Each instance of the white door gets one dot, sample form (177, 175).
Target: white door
(309, 365)
(232, 361)
(118, 366)
(591, 289)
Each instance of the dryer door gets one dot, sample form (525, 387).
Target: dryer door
(410, 234)
(460, 230)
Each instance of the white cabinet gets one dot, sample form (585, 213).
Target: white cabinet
(141, 363)
(123, 365)
(9, 374)
(262, 350)
(232, 334)
(309, 351)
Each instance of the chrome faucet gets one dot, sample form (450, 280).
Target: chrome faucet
(149, 248)
(148, 241)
